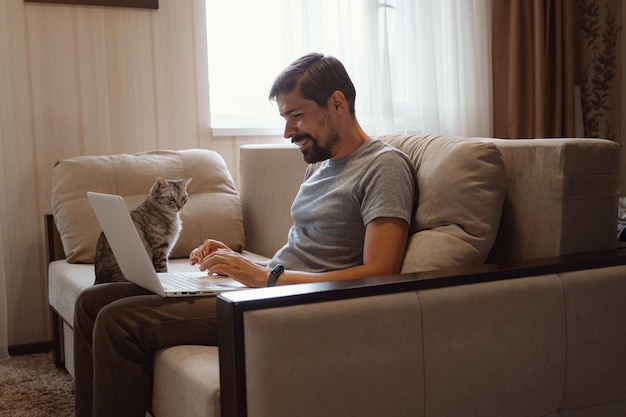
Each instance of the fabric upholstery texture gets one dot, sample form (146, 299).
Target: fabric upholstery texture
(500, 342)
(269, 181)
(561, 197)
(186, 382)
(550, 345)
(387, 330)
(213, 209)
(596, 333)
(461, 185)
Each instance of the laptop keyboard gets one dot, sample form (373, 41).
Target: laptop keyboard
(177, 281)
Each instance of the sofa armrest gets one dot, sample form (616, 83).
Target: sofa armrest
(270, 177)
(238, 307)
(561, 197)
(54, 245)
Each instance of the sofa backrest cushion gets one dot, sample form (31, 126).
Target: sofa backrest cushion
(212, 211)
(462, 185)
(561, 197)
(270, 177)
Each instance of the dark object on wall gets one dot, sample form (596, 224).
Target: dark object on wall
(140, 4)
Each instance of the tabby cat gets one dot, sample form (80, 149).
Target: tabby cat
(158, 222)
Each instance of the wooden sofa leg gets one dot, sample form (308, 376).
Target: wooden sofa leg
(57, 339)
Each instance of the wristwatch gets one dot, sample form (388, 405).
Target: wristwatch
(278, 269)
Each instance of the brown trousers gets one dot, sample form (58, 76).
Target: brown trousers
(117, 329)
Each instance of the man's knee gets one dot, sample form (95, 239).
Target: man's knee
(110, 318)
(93, 299)
(89, 303)
(127, 314)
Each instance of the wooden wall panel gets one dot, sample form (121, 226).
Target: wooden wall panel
(21, 249)
(93, 82)
(174, 77)
(130, 76)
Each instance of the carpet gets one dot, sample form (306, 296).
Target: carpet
(31, 386)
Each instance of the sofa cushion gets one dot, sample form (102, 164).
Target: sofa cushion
(462, 185)
(561, 197)
(213, 210)
(186, 382)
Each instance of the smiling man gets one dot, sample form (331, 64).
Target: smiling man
(352, 217)
(352, 214)
(307, 92)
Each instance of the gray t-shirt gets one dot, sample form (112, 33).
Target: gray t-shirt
(338, 200)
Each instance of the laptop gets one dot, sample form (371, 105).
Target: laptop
(131, 255)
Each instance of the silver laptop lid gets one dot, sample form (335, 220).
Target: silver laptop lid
(125, 241)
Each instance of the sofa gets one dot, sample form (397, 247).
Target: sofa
(510, 301)
(539, 339)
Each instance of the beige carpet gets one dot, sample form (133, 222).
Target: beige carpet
(31, 386)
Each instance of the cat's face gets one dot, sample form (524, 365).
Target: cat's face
(171, 194)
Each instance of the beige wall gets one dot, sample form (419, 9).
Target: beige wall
(78, 80)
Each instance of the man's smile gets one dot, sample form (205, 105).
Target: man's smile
(300, 140)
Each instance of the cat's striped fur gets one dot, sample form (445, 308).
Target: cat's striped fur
(158, 221)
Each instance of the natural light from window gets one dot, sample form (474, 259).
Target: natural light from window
(245, 54)
(250, 42)
(418, 66)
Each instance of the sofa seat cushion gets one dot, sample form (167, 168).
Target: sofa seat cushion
(462, 185)
(186, 382)
(66, 281)
(213, 209)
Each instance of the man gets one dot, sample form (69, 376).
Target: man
(351, 220)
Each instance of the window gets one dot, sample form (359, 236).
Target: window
(419, 66)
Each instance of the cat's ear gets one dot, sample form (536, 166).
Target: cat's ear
(187, 181)
(161, 183)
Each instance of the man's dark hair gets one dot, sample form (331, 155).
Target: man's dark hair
(317, 76)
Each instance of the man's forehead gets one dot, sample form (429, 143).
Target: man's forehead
(292, 101)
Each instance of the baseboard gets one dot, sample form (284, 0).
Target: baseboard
(30, 348)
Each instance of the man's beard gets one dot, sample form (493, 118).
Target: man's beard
(317, 152)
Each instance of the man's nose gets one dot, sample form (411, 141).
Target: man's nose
(290, 130)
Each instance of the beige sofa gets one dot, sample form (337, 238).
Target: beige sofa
(394, 341)
(213, 210)
(478, 342)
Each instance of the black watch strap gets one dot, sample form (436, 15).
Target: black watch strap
(278, 269)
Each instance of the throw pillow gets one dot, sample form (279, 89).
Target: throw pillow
(461, 185)
(213, 209)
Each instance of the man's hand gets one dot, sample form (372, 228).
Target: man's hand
(215, 257)
(225, 261)
(209, 246)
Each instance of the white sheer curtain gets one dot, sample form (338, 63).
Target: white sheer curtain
(419, 66)
(434, 60)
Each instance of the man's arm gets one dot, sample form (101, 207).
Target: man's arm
(383, 252)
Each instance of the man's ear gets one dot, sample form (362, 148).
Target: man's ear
(337, 102)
